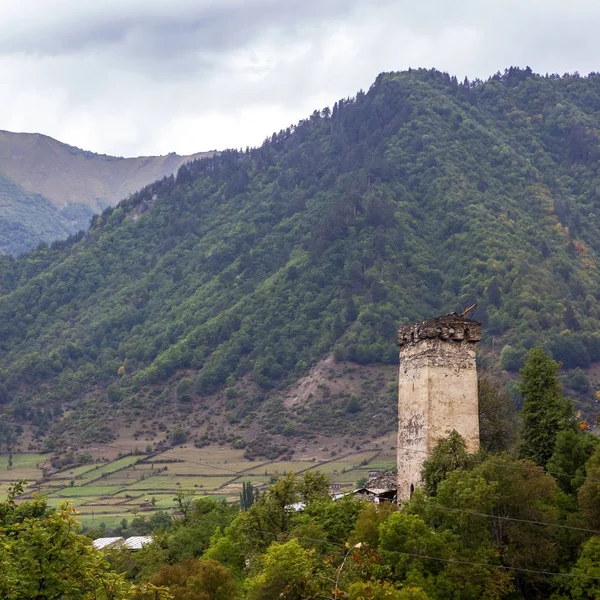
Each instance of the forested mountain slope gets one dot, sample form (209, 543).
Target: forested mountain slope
(419, 197)
(49, 190)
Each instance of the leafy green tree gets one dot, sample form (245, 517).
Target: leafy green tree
(511, 359)
(178, 436)
(271, 516)
(286, 571)
(353, 404)
(370, 518)
(185, 503)
(584, 583)
(185, 389)
(191, 537)
(194, 579)
(520, 490)
(448, 455)
(314, 486)
(377, 590)
(227, 547)
(337, 518)
(498, 422)
(43, 557)
(588, 495)
(571, 452)
(546, 412)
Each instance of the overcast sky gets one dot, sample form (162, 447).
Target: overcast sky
(131, 77)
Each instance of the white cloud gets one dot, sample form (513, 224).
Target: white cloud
(131, 77)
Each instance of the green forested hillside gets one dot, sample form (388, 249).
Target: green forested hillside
(28, 219)
(418, 197)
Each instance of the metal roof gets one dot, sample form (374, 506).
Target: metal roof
(138, 541)
(101, 543)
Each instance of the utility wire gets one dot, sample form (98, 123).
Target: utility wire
(501, 518)
(504, 466)
(450, 560)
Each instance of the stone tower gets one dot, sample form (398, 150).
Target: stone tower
(437, 391)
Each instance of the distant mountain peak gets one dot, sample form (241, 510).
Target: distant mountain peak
(45, 171)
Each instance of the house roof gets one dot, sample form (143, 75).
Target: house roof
(101, 543)
(138, 541)
(384, 482)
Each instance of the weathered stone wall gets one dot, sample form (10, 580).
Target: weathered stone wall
(437, 391)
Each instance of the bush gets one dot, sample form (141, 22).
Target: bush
(184, 390)
(178, 436)
(353, 405)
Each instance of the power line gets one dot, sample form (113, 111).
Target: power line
(450, 560)
(502, 518)
(504, 466)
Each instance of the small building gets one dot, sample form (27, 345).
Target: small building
(137, 542)
(382, 487)
(108, 542)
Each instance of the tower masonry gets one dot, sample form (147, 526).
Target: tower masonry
(437, 391)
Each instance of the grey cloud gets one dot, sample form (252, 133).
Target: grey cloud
(191, 26)
(130, 77)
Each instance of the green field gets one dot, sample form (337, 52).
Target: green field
(110, 467)
(111, 491)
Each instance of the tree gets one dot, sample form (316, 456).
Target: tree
(336, 517)
(449, 454)
(185, 389)
(545, 410)
(353, 404)
(493, 292)
(194, 579)
(588, 495)
(248, 495)
(43, 557)
(571, 452)
(314, 486)
(370, 518)
(511, 359)
(178, 436)
(287, 571)
(227, 547)
(185, 503)
(498, 422)
(382, 590)
(584, 583)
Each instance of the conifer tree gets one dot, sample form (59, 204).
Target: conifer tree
(546, 412)
(248, 495)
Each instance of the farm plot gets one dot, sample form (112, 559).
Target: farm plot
(73, 473)
(279, 468)
(162, 482)
(24, 466)
(89, 490)
(130, 474)
(345, 463)
(110, 467)
(209, 460)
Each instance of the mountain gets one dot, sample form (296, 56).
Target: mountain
(258, 293)
(49, 190)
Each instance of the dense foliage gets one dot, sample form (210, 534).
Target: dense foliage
(485, 526)
(43, 557)
(420, 196)
(26, 220)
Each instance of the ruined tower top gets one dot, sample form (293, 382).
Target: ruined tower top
(447, 327)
